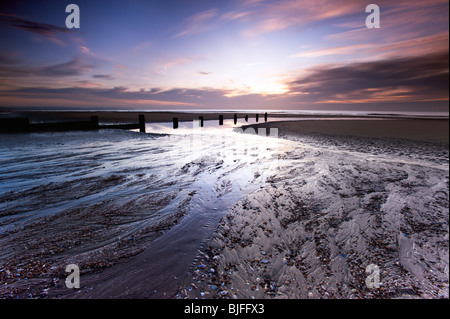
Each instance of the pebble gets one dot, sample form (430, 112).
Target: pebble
(201, 266)
(264, 261)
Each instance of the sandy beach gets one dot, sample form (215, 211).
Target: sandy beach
(228, 216)
(355, 197)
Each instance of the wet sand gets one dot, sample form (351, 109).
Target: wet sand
(360, 193)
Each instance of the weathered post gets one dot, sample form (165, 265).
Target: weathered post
(175, 122)
(220, 119)
(235, 118)
(19, 124)
(265, 117)
(246, 118)
(257, 117)
(94, 121)
(141, 123)
(200, 120)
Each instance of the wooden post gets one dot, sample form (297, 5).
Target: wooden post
(246, 118)
(200, 119)
(19, 124)
(235, 118)
(141, 123)
(265, 117)
(94, 121)
(257, 117)
(220, 119)
(175, 122)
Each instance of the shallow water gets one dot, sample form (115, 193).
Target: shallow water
(46, 177)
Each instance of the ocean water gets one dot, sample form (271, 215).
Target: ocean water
(96, 199)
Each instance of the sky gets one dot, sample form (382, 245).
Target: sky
(226, 55)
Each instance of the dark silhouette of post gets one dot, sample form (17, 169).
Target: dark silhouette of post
(265, 117)
(220, 119)
(22, 124)
(200, 120)
(235, 118)
(94, 121)
(19, 124)
(175, 122)
(246, 118)
(257, 117)
(141, 123)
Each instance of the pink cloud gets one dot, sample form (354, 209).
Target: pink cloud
(349, 49)
(178, 61)
(280, 15)
(85, 50)
(374, 51)
(197, 23)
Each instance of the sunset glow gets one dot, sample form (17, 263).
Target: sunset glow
(293, 54)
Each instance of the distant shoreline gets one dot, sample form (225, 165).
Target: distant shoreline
(425, 130)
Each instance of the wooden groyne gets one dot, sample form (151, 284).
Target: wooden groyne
(23, 125)
(175, 120)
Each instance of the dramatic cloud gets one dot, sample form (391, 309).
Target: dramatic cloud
(422, 78)
(103, 76)
(279, 15)
(404, 20)
(349, 49)
(416, 46)
(46, 30)
(71, 68)
(87, 92)
(76, 66)
(9, 58)
(407, 79)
